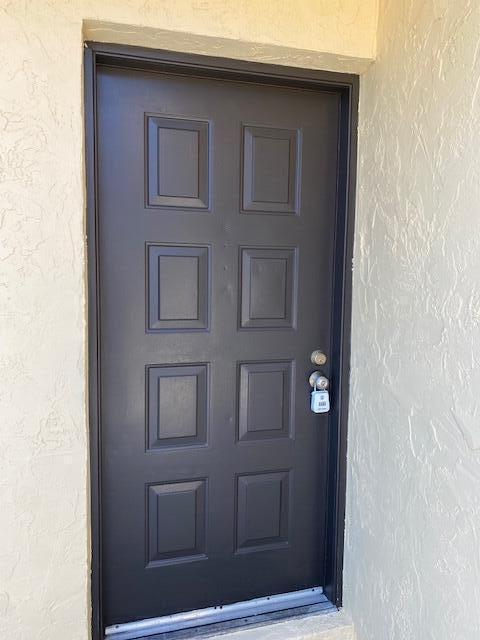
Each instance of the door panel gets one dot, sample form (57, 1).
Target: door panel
(216, 232)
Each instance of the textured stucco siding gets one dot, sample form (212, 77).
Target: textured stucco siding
(44, 555)
(413, 529)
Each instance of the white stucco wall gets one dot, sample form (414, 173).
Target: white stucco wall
(413, 529)
(43, 426)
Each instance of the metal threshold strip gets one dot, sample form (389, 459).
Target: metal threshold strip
(212, 615)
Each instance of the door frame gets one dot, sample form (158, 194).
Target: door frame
(347, 87)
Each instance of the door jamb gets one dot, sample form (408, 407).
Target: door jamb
(347, 86)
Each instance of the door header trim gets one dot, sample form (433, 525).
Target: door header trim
(128, 56)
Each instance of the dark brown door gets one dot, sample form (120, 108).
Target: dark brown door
(215, 239)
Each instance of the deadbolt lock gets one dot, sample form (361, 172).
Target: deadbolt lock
(318, 358)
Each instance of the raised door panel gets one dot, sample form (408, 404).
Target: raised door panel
(263, 506)
(177, 163)
(268, 287)
(177, 406)
(176, 519)
(178, 287)
(265, 404)
(270, 170)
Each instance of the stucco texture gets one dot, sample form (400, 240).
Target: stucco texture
(413, 550)
(44, 552)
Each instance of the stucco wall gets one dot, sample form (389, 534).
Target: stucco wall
(43, 452)
(413, 529)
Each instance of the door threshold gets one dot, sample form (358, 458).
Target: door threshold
(243, 613)
(253, 627)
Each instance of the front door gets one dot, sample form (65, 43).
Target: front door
(216, 219)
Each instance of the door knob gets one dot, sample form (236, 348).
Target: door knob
(318, 358)
(318, 381)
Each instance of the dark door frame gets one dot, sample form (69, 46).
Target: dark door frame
(347, 87)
